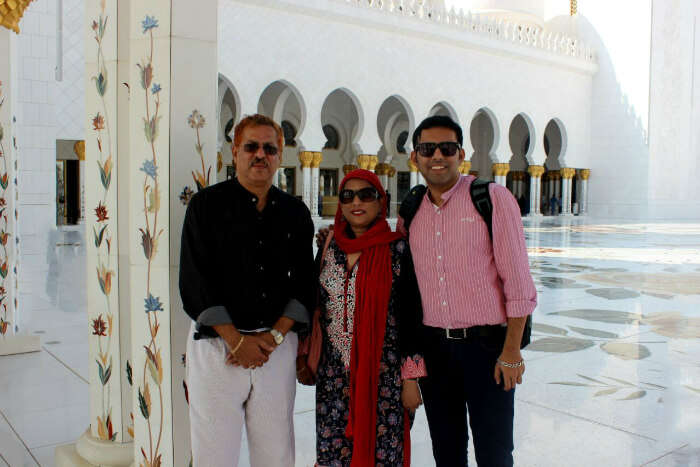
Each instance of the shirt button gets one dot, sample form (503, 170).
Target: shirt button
(261, 268)
(255, 200)
(260, 242)
(439, 257)
(438, 234)
(442, 279)
(264, 295)
(444, 303)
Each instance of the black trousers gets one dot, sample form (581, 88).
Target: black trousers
(460, 387)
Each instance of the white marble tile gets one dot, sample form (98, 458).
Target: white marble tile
(45, 455)
(12, 449)
(54, 426)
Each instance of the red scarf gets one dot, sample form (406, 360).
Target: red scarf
(373, 288)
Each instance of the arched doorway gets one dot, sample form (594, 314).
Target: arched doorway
(554, 142)
(229, 113)
(483, 133)
(521, 139)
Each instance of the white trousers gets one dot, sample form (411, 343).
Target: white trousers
(223, 397)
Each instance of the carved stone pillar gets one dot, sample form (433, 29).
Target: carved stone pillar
(393, 190)
(373, 161)
(363, 160)
(79, 149)
(500, 171)
(306, 158)
(382, 171)
(535, 172)
(584, 175)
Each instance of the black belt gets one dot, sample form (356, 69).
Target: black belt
(474, 332)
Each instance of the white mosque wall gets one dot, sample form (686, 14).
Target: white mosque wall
(377, 55)
(674, 138)
(619, 152)
(36, 152)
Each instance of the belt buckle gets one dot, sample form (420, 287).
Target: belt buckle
(463, 336)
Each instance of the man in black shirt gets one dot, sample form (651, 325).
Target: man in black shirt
(247, 281)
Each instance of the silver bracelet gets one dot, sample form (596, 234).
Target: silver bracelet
(510, 365)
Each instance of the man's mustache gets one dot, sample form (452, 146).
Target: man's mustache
(258, 160)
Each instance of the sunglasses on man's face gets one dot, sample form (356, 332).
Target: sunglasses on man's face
(447, 148)
(366, 195)
(268, 149)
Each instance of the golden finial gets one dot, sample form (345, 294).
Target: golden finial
(573, 7)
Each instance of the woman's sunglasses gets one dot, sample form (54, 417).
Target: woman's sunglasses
(366, 195)
(268, 149)
(447, 148)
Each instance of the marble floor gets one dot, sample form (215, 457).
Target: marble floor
(613, 372)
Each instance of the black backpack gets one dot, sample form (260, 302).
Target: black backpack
(479, 191)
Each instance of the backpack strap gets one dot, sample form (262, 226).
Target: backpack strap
(409, 206)
(479, 191)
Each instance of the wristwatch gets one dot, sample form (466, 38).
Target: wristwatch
(277, 336)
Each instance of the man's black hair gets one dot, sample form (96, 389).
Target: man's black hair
(437, 121)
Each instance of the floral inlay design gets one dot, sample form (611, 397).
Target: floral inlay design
(197, 121)
(102, 325)
(150, 234)
(5, 321)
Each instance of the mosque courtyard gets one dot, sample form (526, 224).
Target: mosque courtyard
(613, 370)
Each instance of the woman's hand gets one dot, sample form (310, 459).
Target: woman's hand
(410, 395)
(303, 372)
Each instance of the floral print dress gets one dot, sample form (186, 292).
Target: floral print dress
(337, 298)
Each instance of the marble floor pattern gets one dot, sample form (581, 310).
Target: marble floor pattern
(613, 371)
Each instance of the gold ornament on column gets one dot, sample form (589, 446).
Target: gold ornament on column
(535, 171)
(382, 169)
(11, 12)
(347, 168)
(584, 173)
(317, 159)
(363, 161)
(306, 158)
(373, 161)
(573, 4)
(79, 148)
(464, 167)
(392, 171)
(567, 173)
(411, 166)
(501, 168)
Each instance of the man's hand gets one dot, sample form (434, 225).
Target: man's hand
(252, 353)
(509, 376)
(410, 395)
(321, 236)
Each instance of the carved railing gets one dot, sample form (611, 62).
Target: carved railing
(483, 25)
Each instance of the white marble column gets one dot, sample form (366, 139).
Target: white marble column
(79, 149)
(583, 195)
(567, 175)
(166, 52)
(500, 172)
(12, 341)
(535, 172)
(393, 189)
(414, 173)
(306, 158)
(315, 191)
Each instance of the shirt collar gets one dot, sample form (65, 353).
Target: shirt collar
(448, 194)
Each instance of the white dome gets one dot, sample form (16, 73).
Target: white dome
(515, 11)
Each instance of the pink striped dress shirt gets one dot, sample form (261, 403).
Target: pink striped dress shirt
(463, 281)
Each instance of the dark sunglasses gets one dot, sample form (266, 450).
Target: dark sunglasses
(269, 149)
(447, 148)
(366, 195)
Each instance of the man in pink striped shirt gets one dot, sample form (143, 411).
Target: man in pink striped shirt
(476, 295)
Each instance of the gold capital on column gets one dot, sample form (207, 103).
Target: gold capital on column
(347, 168)
(411, 166)
(79, 149)
(584, 173)
(317, 159)
(464, 167)
(11, 12)
(373, 161)
(501, 168)
(535, 171)
(306, 158)
(382, 169)
(363, 161)
(392, 171)
(567, 172)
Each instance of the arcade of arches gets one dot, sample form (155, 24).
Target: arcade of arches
(547, 189)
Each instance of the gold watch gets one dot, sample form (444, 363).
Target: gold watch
(277, 336)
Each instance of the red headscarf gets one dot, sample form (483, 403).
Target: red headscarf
(373, 288)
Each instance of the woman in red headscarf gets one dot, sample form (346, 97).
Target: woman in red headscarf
(366, 389)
